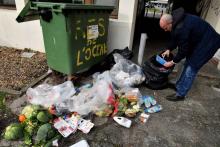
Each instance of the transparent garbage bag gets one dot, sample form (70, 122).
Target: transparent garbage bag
(132, 94)
(102, 76)
(125, 73)
(47, 95)
(90, 100)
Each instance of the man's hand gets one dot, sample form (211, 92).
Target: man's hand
(166, 53)
(169, 64)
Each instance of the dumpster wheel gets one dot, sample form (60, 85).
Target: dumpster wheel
(72, 77)
(59, 77)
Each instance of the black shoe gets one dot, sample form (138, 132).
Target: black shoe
(175, 98)
(171, 86)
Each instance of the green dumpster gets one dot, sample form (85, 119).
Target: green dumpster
(75, 35)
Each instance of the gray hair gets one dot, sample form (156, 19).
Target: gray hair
(167, 18)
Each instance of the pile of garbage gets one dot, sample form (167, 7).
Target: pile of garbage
(59, 110)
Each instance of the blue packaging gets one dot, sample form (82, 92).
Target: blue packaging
(160, 60)
(154, 109)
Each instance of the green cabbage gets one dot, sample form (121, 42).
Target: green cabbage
(13, 131)
(44, 116)
(44, 133)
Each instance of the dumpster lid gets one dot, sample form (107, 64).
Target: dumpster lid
(59, 6)
(27, 14)
(31, 9)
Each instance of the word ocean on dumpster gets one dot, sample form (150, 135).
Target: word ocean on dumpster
(95, 30)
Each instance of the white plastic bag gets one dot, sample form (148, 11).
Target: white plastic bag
(47, 95)
(125, 73)
(103, 76)
(87, 101)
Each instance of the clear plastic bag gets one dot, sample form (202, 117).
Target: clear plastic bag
(103, 76)
(125, 73)
(132, 94)
(47, 95)
(90, 100)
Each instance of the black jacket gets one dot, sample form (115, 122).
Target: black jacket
(196, 40)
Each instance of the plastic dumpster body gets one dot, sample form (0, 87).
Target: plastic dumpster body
(75, 36)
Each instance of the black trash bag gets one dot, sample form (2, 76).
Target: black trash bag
(157, 67)
(109, 60)
(155, 82)
(157, 86)
(126, 53)
(154, 77)
(156, 74)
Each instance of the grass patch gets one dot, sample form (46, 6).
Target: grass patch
(2, 100)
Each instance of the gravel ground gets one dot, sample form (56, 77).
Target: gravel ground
(16, 71)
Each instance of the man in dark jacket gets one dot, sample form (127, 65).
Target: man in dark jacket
(196, 40)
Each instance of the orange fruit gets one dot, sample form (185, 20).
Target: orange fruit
(22, 118)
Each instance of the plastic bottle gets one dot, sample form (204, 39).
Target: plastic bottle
(123, 121)
(148, 101)
(152, 100)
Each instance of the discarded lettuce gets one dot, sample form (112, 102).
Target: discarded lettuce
(13, 131)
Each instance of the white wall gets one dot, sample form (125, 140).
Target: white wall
(121, 30)
(29, 34)
(213, 17)
(19, 35)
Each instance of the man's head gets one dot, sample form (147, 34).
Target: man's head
(166, 22)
